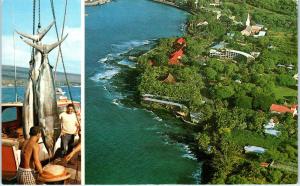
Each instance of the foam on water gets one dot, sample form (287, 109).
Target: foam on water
(116, 102)
(108, 74)
(197, 174)
(157, 118)
(126, 46)
(127, 63)
(188, 153)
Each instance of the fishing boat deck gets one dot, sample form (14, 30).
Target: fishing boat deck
(73, 167)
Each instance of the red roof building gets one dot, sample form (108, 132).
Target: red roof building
(283, 109)
(180, 40)
(175, 56)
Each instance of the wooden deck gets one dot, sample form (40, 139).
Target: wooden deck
(73, 167)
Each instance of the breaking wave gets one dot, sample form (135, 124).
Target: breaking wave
(103, 76)
(127, 63)
(187, 152)
(197, 174)
(129, 45)
(157, 118)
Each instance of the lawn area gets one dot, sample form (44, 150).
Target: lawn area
(245, 137)
(280, 92)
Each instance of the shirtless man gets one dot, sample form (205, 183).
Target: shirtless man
(30, 159)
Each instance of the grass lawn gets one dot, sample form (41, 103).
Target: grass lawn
(280, 92)
(245, 137)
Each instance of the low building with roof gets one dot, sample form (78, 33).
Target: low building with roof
(222, 52)
(281, 109)
(255, 149)
(175, 57)
(177, 54)
(169, 79)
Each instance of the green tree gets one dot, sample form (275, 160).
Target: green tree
(223, 92)
(244, 102)
(210, 73)
(203, 141)
(285, 80)
(263, 102)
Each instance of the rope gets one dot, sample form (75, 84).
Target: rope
(61, 36)
(33, 27)
(32, 62)
(62, 59)
(39, 17)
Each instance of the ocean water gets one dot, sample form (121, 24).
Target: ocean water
(123, 144)
(8, 95)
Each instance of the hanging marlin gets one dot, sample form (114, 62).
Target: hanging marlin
(46, 97)
(29, 109)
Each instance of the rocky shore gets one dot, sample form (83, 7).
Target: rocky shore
(95, 2)
(167, 3)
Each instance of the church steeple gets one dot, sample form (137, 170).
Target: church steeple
(248, 20)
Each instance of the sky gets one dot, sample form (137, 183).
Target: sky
(18, 15)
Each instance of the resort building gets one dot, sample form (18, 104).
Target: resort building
(175, 57)
(219, 50)
(281, 109)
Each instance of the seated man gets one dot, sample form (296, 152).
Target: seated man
(30, 159)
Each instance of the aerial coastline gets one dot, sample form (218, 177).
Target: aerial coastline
(225, 80)
(231, 79)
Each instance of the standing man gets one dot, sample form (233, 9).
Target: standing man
(69, 128)
(76, 149)
(30, 159)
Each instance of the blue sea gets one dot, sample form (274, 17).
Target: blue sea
(8, 94)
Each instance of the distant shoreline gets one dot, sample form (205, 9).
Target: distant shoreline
(95, 2)
(172, 5)
(22, 77)
(167, 3)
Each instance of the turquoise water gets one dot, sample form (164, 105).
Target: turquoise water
(126, 145)
(8, 95)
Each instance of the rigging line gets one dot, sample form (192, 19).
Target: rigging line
(61, 36)
(39, 15)
(62, 59)
(33, 27)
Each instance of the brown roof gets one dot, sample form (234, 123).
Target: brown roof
(170, 79)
